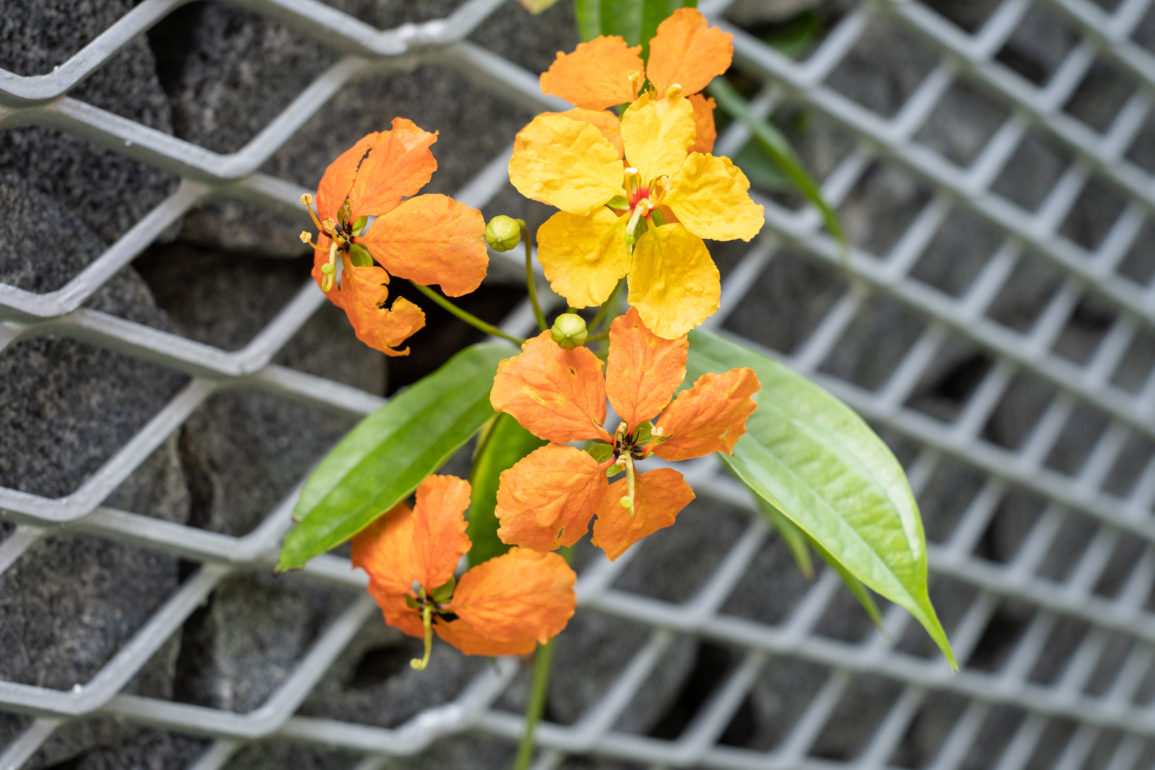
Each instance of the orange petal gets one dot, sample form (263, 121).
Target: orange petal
(556, 394)
(431, 239)
(658, 498)
(608, 123)
(687, 52)
(709, 417)
(397, 613)
(422, 544)
(439, 539)
(399, 164)
(643, 371)
(547, 499)
(510, 603)
(601, 73)
(362, 293)
(337, 181)
(706, 133)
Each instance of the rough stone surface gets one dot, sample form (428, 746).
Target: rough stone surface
(215, 75)
(65, 407)
(106, 190)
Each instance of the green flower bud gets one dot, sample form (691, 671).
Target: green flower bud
(503, 233)
(569, 330)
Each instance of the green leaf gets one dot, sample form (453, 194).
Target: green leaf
(623, 18)
(504, 443)
(778, 148)
(589, 18)
(795, 539)
(388, 453)
(861, 593)
(809, 456)
(635, 20)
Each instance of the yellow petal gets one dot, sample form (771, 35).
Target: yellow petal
(611, 125)
(584, 257)
(565, 163)
(709, 196)
(673, 282)
(657, 134)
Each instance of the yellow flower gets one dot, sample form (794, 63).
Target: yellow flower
(643, 217)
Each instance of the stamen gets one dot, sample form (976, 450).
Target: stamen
(627, 502)
(307, 201)
(330, 275)
(419, 664)
(675, 89)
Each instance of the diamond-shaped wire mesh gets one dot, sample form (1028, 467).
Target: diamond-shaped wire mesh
(992, 162)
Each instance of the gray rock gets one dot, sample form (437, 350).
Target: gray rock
(65, 408)
(372, 682)
(249, 637)
(107, 191)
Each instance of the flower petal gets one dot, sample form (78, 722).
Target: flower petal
(673, 282)
(643, 370)
(686, 52)
(601, 73)
(510, 603)
(709, 196)
(399, 164)
(704, 131)
(556, 394)
(657, 133)
(422, 544)
(608, 123)
(547, 499)
(337, 181)
(439, 539)
(709, 417)
(431, 239)
(584, 257)
(362, 294)
(566, 163)
(659, 497)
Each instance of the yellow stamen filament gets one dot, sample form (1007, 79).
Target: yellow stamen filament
(331, 273)
(628, 501)
(675, 89)
(419, 664)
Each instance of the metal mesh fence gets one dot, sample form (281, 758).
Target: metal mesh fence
(993, 164)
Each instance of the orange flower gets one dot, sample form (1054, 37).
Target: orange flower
(548, 498)
(427, 238)
(606, 71)
(504, 606)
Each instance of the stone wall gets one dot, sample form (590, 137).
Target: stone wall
(215, 75)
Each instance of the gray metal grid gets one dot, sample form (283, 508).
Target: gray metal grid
(1092, 708)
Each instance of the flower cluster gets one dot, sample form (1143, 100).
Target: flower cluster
(637, 196)
(504, 606)
(428, 239)
(548, 499)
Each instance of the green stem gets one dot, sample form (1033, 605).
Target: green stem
(466, 316)
(610, 301)
(536, 706)
(530, 284)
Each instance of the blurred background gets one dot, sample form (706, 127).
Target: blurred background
(169, 375)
